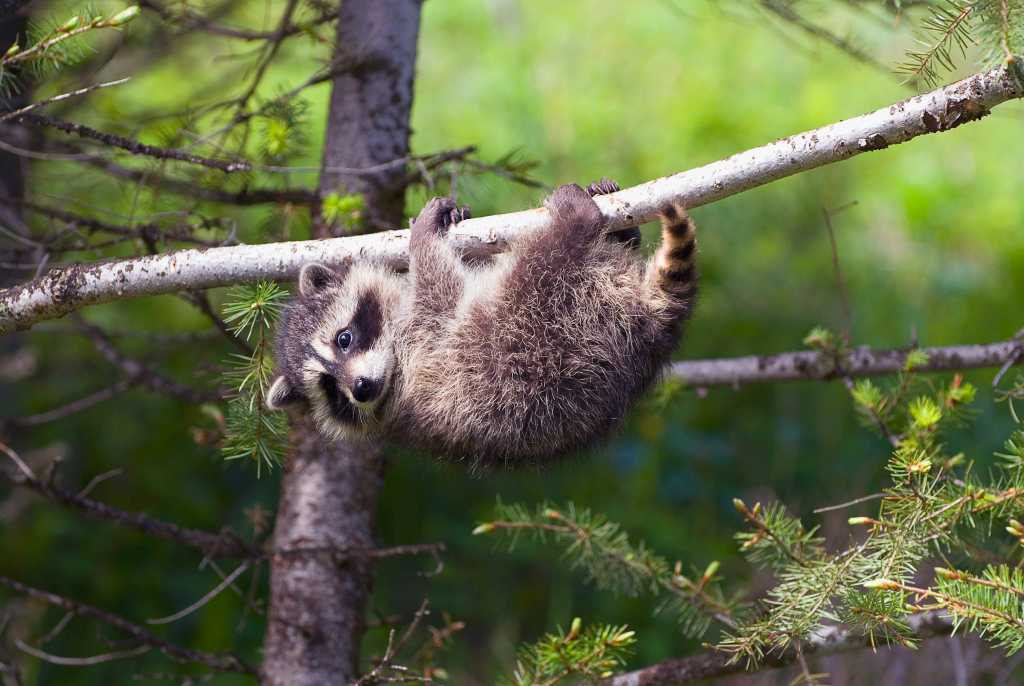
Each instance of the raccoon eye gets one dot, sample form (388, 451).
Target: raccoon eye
(344, 339)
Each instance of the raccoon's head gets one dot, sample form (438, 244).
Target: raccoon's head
(336, 346)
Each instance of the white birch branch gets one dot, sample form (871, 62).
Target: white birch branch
(65, 289)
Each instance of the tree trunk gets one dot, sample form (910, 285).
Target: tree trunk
(368, 120)
(329, 491)
(328, 499)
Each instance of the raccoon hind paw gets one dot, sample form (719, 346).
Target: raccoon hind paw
(438, 215)
(603, 187)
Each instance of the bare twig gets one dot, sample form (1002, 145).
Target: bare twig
(63, 96)
(227, 581)
(221, 662)
(222, 545)
(194, 21)
(844, 297)
(136, 372)
(135, 147)
(81, 661)
(75, 406)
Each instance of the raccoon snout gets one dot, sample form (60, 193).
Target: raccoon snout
(365, 390)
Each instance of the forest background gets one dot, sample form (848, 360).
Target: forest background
(928, 237)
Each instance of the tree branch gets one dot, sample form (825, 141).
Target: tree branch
(862, 361)
(221, 662)
(713, 664)
(134, 146)
(66, 289)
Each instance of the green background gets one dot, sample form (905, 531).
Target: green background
(930, 243)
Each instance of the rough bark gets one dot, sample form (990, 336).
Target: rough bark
(66, 289)
(370, 105)
(328, 499)
(329, 493)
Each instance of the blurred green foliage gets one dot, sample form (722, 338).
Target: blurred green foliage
(930, 242)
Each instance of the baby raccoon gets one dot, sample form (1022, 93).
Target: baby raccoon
(533, 357)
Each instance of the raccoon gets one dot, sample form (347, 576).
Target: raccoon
(536, 356)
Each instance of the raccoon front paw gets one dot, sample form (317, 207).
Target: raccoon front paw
(603, 187)
(437, 215)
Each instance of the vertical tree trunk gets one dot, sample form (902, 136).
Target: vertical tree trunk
(328, 499)
(368, 121)
(329, 490)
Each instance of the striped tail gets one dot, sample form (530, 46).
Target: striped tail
(675, 269)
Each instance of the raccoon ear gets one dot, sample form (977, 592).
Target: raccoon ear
(281, 394)
(315, 277)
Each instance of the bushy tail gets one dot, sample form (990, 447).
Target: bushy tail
(675, 269)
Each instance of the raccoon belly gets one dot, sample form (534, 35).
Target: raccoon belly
(520, 386)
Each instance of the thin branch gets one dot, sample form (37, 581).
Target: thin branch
(63, 96)
(75, 406)
(139, 373)
(81, 661)
(860, 362)
(63, 290)
(221, 662)
(785, 12)
(850, 503)
(214, 592)
(134, 146)
(211, 545)
(712, 664)
(245, 197)
(219, 545)
(150, 230)
(195, 21)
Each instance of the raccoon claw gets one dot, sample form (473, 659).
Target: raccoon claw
(454, 216)
(603, 187)
(437, 215)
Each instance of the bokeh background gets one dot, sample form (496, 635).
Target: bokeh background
(929, 235)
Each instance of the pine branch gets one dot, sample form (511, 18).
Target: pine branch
(70, 288)
(611, 561)
(70, 29)
(950, 28)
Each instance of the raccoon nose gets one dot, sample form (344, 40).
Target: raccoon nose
(364, 390)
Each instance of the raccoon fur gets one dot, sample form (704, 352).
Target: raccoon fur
(536, 356)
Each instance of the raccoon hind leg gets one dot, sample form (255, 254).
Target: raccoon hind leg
(629, 238)
(436, 270)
